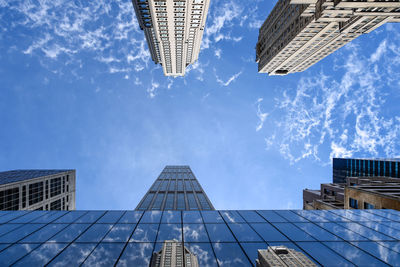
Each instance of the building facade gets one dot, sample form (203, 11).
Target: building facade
(281, 256)
(299, 33)
(173, 29)
(37, 190)
(343, 168)
(176, 188)
(174, 254)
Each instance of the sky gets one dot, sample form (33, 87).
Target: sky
(78, 90)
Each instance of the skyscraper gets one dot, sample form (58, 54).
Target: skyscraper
(281, 256)
(299, 33)
(173, 29)
(37, 190)
(176, 188)
(173, 254)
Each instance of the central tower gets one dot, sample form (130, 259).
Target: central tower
(176, 188)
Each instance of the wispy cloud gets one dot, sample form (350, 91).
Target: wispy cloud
(152, 89)
(261, 116)
(229, 81)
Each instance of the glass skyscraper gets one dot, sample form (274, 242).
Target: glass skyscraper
(176, 188)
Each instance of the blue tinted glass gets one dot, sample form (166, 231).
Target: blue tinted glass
(3, 246)
(5, 228)
(291, 216)
(204, 253)
(131, 217)
(293, 232)
(271, 216)
(192, 201)
(70, 217)
(212, 217)
(251, 216)
(44, 233)
(74, 255)
(230, 254)
(231, 216)
(368, 216)
(385, 214)
(12, 215)
(324, 255)
(392, 232)
(151, 217)
(194, 233)
(70, 233)
(314, 217)
(41, 255)
(145, 233)
(349, 215)
(381, 252)
(136, 254)
(95, 233)
(268, 232)
(219, 233)
(90, 217)
(328, 216)
(19, 233)
(49, 216)
(244, 233)
(119, 233)
(171, 217)
(317, 232)
(105, 254)
(111, 217)
(365, 231)
(191, 217)
(394, 225)
(169, 232)
(353, 254)
(15, 252)
(395, 246)
(251, 249)
(29, 217)
(342, 232)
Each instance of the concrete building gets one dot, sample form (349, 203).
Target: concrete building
(330, 196)
(173, 29)
(299, 33)
(174, 254)
(176, 188)
(37, 190)
(281, 256)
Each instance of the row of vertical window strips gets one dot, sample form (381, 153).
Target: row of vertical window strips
(10, 198)
(359, 167)
(175, 201)
(175, 185)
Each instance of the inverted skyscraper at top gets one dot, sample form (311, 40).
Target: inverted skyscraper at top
(173, 29)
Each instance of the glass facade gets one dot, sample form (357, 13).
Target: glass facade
(216, 238)
(175, 189)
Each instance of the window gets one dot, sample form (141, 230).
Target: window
(169, 203)
(192, 201)
(9, 199)
(55, 205)
(146, 202)
(158, 202)
(368, 206)
(188, 185)
(55, 187)
(24, 196)
(180, 202)
(203, 201)
(47, 189)
(353, 203)
(35, 193)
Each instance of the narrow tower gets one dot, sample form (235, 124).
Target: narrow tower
(176, 188)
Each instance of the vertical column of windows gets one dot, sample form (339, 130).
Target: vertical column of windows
(23, 196)
(158, 201)
(55, 187)
(164, 185)
(180, 201)
(192, 201)
(9, 199)
(63, 184)
(196, 185)
(162, 21)
(351, 167)
(369, 168)
(169, 203)
(46, 189)
(35, 193)
(188, 186)
(172, 185)
(203, 201)
(179, 20)
(195, 20)
(397, 169)
(55, 205)
(146, 202)
(180, 185)
(364, 170)
(155, 185)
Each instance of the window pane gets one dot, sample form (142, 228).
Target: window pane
(188, 185)
(172, 185)
(50, 216)
(244, 233)
(131, 217)
(204, 253)
(365, 231)
(381, 252)
(293, 232)
(251, 249)
(212, 217)
(158, 202)
(169, 203)
(90, 217)
(232, 216)
(70, 233)
(15, 252)
(151, 217)
(41, 255)
(203, 201)
(119, 233)
(169, 232)
(136, 254)
(180, 202)
(195, 233)
(145, 233)
(342, 232)
(44, 233)
(146, 202)
(70, 217)
(191, 217)
(105, 254)
(268, 232)
(271, 216)
(20, 233)
(180, 185)
(74, 255)
(111, 217)
(323, 255)
(95, 233)
(192, 201)
(171, 217)
(251, 216)
(230, 254)
(29, 217)
(219, 233)
(290, 216)
(317, 232)
(10, 216)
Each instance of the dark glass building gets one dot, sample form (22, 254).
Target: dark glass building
(343, 168)
(176, 188)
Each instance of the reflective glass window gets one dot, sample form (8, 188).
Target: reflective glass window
(146, 202)
(342, 232)
(204, 253)
(169, 202)
(324, 255)
(180, 201)
(188, 185)
(70, 233)
(172, 185)
(151, 217)
(90, 217)
(329, 216)
(144, 233)
(12, 215)
(271, 216)
(203, 201)
(41, 255)
(73, 255)
(268, 232)
(70, 217)
(20, 233)
(15, 252)
(136, 254)
(196, 185)
(386, 214)
(171, 217)
(292, 232)
(111, 217)
(311, 216)
(231, 216)
(365, 231)
(180, 185)
(192, 201)
(119, 233)
(169, 231)
(219, 233)
(191, 217)
(158, 201)
(251, 216)
(44, 233)
(366, 216)
(29, 217)
(291, 216)
(395, 246)
(155, 185)
(105, 254)
(131, 217)
(230, 254)
(389, 231)
(95, 233)
(212, 217)
(317, 232)
(195, 233)
(164, 185)
(384, 254)
(244, 233)
(49, 216)
(5, 228)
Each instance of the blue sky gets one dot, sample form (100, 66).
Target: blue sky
(79, 90)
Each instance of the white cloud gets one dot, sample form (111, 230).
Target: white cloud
(218, 53)
(230, 80)
(152, 90)
(261, 116)
(379, 52)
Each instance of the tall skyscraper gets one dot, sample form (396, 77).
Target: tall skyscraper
(37, 190)
(281, 256)
(174, 254)
(351, 167)
(299, 33)
(173, 29)
(176, 188)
